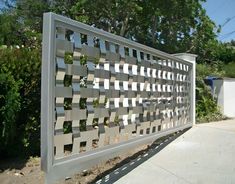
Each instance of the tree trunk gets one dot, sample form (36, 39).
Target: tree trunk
(154, 19)
(124, 26)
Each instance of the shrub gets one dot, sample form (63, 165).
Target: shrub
(206, 107)
(230, 70)
(20, 101)
(9, 108)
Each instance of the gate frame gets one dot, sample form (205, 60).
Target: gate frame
(58, 169)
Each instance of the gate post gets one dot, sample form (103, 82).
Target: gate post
(192, 59)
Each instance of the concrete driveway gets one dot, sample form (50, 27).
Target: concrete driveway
(203, 155)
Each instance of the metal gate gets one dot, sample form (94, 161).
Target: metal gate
(103, 94)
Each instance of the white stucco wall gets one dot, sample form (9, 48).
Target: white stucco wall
(224, 92)
(229, 97)
(218, 93)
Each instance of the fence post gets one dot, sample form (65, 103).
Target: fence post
(192, 59)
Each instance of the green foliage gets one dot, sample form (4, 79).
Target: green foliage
(172, 25)
(95, 103)
(225, 53)
(68, 58)
(206, 107)
(67, 127)
(83, 60)
(22, 24)
(230, 70)
(13, 32)
(219, 51)
(204, 37)
(20, 99)
(118, 16)
(30, 13)
(169, 25)
(9, 30)
(9, 108)
(213, 69)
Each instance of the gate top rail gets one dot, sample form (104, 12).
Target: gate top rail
(93, 31)
(133, 94)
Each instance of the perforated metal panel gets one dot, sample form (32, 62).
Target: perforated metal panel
(102, 94)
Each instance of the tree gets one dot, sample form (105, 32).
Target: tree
(115, 16)
(169, 25)
(10, 29)
(21, 23)
(30, 13)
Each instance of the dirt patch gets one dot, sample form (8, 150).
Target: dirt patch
(102, 169)
(21, 171)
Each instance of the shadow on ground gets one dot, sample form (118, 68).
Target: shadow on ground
(130, 163)
(12, 163)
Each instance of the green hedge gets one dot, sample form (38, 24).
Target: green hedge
(19, 101)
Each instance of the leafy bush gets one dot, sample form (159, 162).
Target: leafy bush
(230, 70)
(9, 107)
(206, 107)
(20, 101)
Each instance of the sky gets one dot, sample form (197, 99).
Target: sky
(1, 3)
(222, 12)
